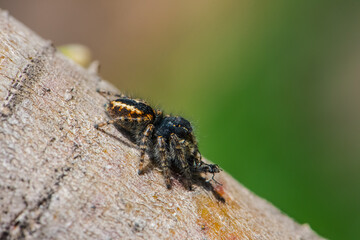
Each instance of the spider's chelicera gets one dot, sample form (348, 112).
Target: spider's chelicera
(168, 140)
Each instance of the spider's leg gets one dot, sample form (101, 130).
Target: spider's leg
(194, 151)
(107, 94)
(178, 149)
(121, 119)
(143, 145)
(163, 160)
(198, 157)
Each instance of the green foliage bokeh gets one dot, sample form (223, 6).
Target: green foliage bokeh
(262, 89)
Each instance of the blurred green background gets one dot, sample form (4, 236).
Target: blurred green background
(272, 87)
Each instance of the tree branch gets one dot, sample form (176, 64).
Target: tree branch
(60, 178)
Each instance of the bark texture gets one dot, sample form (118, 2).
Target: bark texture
(62, 179)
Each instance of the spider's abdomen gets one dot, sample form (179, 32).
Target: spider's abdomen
(178, 125)
(135, 115)
(130, 108)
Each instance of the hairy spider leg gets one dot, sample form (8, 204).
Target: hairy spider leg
(163, 161)
(194, 151)
(198, 157)
(121, 119)
(110, 94)
(177, 152)
(144, 145)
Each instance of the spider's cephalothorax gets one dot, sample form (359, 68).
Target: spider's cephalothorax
(168, 140)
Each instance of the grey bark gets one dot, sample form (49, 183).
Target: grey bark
(62, 179)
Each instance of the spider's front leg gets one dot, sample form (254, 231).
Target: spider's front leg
(143, 146)
(163, 160)
(177, 152)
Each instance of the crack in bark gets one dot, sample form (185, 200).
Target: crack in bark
(31, 73)
(26, 220)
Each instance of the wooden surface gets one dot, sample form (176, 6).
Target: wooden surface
(62, 179)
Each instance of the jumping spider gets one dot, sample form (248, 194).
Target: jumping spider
(168, 140)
